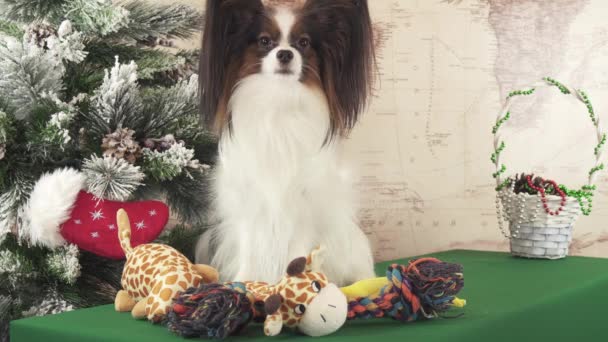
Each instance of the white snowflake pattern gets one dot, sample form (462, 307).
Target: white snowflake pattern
(97, 215)
(77, 221)
(112, 227)
(95, 235)
(140, 225)
(152, 212)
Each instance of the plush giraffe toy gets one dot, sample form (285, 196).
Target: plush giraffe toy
(303, 300)
(153, 275)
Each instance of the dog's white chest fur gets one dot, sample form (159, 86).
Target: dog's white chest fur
(280, 191)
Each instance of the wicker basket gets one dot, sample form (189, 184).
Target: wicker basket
(533, 232)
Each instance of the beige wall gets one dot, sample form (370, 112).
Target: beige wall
(422, 151)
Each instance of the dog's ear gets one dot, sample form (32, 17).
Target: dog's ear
(229, 25)
(346, 45)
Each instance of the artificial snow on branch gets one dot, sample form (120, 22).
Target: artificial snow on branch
(111, 178)
(117, 103)
(168, 164)
(52, 304)
(12, 199)
(63, 264)
(147, 20)
(177, 103)
(96, 17)
(12, 268)
(32, 68)
(28, 71)
(31, 10)
(68, 44)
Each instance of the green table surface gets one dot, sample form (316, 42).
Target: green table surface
(508, 299)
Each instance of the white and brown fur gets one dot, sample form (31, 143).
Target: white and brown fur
(281, 188)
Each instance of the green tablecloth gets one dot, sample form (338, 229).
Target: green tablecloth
(509, 299)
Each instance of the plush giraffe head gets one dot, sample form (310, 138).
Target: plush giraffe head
(304, 299)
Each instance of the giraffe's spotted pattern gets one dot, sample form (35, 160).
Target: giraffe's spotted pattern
(154, 273)
(157, 273)
(294, 290)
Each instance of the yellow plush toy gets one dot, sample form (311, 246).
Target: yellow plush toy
(153, 275)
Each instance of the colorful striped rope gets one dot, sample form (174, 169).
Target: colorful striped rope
(422, 290)
(210, 311)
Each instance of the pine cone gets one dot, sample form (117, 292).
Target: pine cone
(39, 33)
(121, 145)
(2, 151)
(171, 76)
(152, 41)
(162, 144)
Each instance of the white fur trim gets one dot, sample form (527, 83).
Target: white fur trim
(50, 205)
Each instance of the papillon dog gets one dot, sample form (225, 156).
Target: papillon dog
(283, 86)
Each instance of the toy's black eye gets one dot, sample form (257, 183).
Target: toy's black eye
(300, 309)
(304, 42)
(265, 41)
(316, 286)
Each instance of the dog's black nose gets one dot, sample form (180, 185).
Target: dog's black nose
(285, 56)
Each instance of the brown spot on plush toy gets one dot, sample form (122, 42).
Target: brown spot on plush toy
(153, 275)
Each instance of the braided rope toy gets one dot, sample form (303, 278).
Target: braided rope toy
(303, 299)
(421, 290)
(215, 311)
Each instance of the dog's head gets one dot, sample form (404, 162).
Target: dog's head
(324, 44)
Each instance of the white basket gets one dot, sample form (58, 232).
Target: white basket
(533, 232)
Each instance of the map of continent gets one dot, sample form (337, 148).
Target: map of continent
(444, 69)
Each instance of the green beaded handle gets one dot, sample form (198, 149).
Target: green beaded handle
(586, 191)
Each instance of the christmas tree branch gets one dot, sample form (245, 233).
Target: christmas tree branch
(175, 103)
(188, 196)
(96, 18)
(31, 10)
(11, 29)
(149, 61)
(147, 20)
(28, 72)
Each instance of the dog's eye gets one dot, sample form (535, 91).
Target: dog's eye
(304, 42)
(316, 286)
(265, 41)
(300, 309)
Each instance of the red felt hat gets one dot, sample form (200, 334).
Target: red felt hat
(59, 212)
(92, 224)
